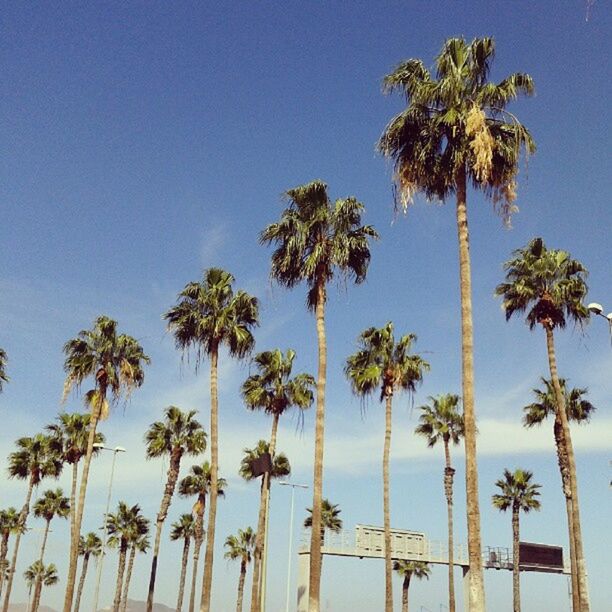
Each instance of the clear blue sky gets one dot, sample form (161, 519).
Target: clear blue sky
(145, 142)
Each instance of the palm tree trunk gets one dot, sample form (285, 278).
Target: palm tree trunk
(23, 515)
(405, 586)
(197, 545)
(78, 519)
(38, 585)
(562, 415)
(314, 585)
(561, 447)
(214, 480)
(128, 579)
(386, 505)
(3, 554)
(243, 570)
(264, 496)
(73, 489)
(173, 473)
(120, 572)
(185, 560)
(516, 568)
(449, 474)
(77, 602)
(476, 579)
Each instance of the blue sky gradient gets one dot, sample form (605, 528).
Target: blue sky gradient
(145, 142)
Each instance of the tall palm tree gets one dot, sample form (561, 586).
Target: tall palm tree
(550, 287)
(3, 375)
(51, 504)
(124, 527)
(441, 421)
(183, 529)
(177, 435)
(115, 362)
(383, 365)
(280, 466)
(210, 315)
(33, 461)
(241, 546)
(38, 572)
(455, 130)
(140, 543)
(70, 436)
(408, 569)
(197, 484)
(316, 240)
(274, 391)
(517, 492)
(330, 519)
(89, 545)
(9, 525)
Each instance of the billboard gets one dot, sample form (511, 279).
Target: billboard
(534, 556)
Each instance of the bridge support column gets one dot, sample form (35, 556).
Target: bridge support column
(303, 581)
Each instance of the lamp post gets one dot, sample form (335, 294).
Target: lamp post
(117, 449)
(293, 487)
(597, 309)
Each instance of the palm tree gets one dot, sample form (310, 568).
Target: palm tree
(280, 466)
(209, 315)
(115, 363)
(70, 436)
(3, 376)
(183, 529)
(517, 492)
(455, 129)
(33, 461)
(197, 483)
(179, 434)
(241, 546)
(314, 241)
(124, 527)
(549, 286)
(89, 545)
(381, 364)
(330, 520)
(51, 504)
(408, 569)
(141, 544)
(9, 525)
(39, 573)
(274, 391)
(442, 421)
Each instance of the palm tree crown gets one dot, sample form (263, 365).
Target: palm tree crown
(178, 434)
(280, 463)
(47, 574)
(209, 313)
(272, 389)
(240, 546)
(517, 492)
(547, 283)
(197, 482)
(578, 408)
(9, 522)
(456, 122)
(126, 526)
(441, 420)
(115, 361)
(34, 460)
(183, 528)
(51, 504)
(418, 569)
(315, 237)
(381, 363)
(330, 517)
(90, 544)
(70, 435)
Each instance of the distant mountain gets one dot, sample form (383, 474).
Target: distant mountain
(23, 607)
(132, 606)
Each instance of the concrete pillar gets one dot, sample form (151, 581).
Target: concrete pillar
(303, 581)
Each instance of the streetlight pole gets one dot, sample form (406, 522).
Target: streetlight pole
(293, 487)
(597, 309)
(117, 449)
